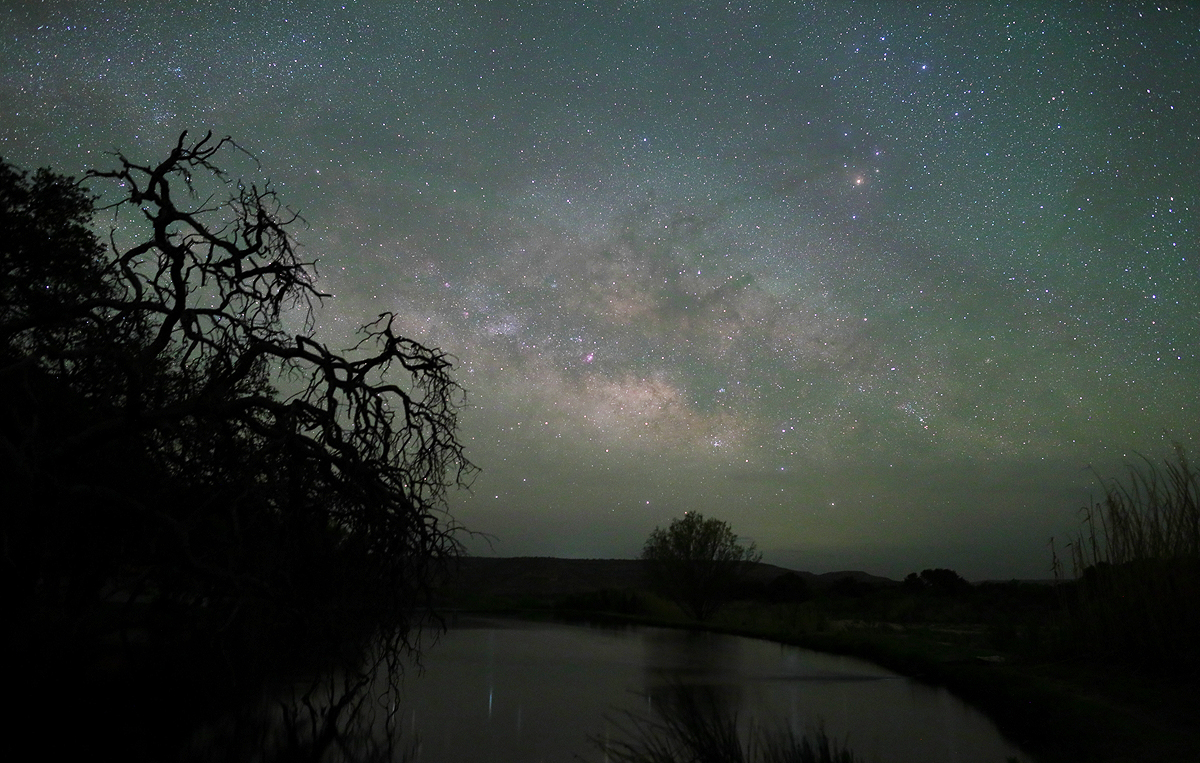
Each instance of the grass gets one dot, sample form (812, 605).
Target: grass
(693, 724)
(1060, 706)
(1137, 569)
(1104, 666)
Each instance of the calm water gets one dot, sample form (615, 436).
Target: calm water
(506, 691)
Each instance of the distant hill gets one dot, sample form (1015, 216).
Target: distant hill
(547, 577)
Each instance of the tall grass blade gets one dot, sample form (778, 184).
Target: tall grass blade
(1136, 562)
(694, 724)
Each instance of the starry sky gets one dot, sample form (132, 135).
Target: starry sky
(883, 285)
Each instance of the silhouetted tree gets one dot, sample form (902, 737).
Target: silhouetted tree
(163, 437)
(914, 584)
(789, 587)
(945, 582)
(939, 581)
(696, 562)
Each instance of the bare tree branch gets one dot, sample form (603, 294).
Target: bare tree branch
(176, 340)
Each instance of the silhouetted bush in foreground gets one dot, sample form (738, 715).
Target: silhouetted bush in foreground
(1137, 564)
(693, 724)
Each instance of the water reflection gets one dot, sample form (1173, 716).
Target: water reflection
(691, 676)
(699, 723)
(500, 690)
(689, 722)
(340, 715)
(508, 691)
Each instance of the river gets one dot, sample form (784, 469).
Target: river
(508, 691)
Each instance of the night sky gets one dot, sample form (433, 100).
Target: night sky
(875, 283)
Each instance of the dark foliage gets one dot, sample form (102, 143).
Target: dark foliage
(695, 724)
(1137, 567)
(913, 583)
(788, 587)
(748, 590)
(852, 588)
(697, 563)
(606, 600)
(182, 474)
(938, 581)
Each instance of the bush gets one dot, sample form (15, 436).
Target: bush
(695, 724)
(1137, 569)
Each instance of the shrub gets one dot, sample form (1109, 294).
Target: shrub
(1137, 564)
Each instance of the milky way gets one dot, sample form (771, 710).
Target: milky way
(874, 283)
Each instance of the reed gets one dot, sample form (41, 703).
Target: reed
(694, 724)
(1136, 564)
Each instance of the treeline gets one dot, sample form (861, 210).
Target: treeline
(1126, 588)
(1009, 615)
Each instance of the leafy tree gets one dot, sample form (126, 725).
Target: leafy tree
(939, 581)
(789, 587)
(696, 562)
(164, 437)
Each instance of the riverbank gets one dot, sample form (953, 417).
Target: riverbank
(1059, 711)
(997, 645)
(1066, 711)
